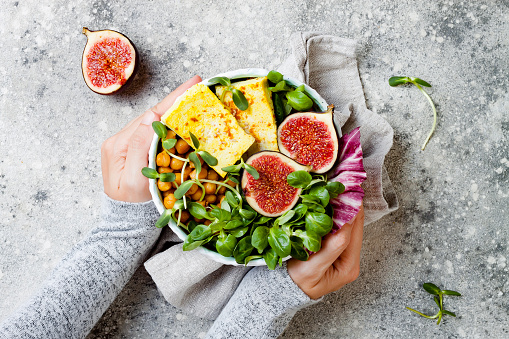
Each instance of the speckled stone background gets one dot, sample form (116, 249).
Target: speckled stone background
(451, 228)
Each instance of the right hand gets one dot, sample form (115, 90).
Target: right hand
(335, 265)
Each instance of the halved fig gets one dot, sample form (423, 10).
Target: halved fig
(310, 138)
(270, 194)
(110, 61)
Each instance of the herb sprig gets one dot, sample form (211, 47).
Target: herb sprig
(436, 291)
(396, 81)
(238, 97)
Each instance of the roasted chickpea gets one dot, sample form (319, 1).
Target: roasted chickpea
(164, 170)
(203, 203)
(176, 164)
(212, 175)
(163, 159)
(192, 164)
(199, 221)
(207, 222)
(231, 183)
(222, 190)
(182, 146)
(210, 198)
(171, 134)
(197, 195)
(220, 199)
(163, 186)
(187, 172)
(169, 201)
(166, 193)
(184, 216)
(172, 150)
(178, 179)
(209, 188)
(202, 175)
(192, 190)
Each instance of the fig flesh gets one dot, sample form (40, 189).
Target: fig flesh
(110, 61)
(270, 194)
(310, 138)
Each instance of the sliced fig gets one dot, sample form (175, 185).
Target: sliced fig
(270, 194)
(310, 138)
(110, 61)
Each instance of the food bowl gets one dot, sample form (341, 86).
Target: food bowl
(156, 194)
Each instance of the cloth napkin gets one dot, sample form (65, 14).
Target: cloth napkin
(199, 285)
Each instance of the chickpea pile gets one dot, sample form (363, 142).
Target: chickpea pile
(166, 163)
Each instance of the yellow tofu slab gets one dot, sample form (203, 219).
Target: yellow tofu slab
(258, 119)
(200, 112)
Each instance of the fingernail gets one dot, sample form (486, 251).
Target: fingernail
(148, 118)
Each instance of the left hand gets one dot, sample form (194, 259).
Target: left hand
(126, 153)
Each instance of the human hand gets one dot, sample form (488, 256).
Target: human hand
(126, 153)
(335, 265)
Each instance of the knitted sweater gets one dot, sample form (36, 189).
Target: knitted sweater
(88, 279)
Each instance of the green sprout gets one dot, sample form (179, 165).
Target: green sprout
(238, 97)
(396, 81)
(434, 290)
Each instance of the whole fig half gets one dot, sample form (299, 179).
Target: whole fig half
(270, 194)
(110, 61)
(310, 138)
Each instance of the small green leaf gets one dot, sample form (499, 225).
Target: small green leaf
(220, 214)
(259, 238)
(164, 219)
(321, 193)
(169, 143)
(149, 173)
(420, 82)
(232, 200)
(301, 88)
(449, 313)
(251, 257)
(208, 158)
(195, 141)
(275, 77)
(197, 210)
(280, 242)
(311, 240)
(318, 223)
(167, 177)
(262, 220)
(160, 129)
(220, 80)
(298, 252)
(232, 178)
(232, 224)
(299, 179)
(232, 168)
(396, 81)
(271, 258)
(190, 244)
(239, 99)
(300, 210)
(431, 288)
(247, 214)
(243, 249)
(200, 232)
(196, 161)
(449, 292)
(252, 171)
(286, 217)
(335, 188)
(280, 87)
(279, 108)
(299, 100)
(225, 245)
(239, 232)
(182, 189)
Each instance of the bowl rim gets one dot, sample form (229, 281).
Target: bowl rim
(155, 193)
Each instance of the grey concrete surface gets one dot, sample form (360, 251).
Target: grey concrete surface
(451, 228)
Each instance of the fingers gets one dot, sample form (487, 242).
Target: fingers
(349, 261)
(166, 103)
(137, 157)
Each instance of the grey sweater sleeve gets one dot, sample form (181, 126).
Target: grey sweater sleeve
(262, 306)
(88, 279)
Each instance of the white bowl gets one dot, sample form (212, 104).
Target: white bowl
(156, 194)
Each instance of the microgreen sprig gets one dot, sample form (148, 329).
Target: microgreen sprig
(286, 97)
(238, 97)
(436, 291)
(396, 81)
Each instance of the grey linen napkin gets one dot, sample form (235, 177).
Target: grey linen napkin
(200, 286)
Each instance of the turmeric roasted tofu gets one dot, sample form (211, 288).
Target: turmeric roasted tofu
(200, 112)
(258, 119)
